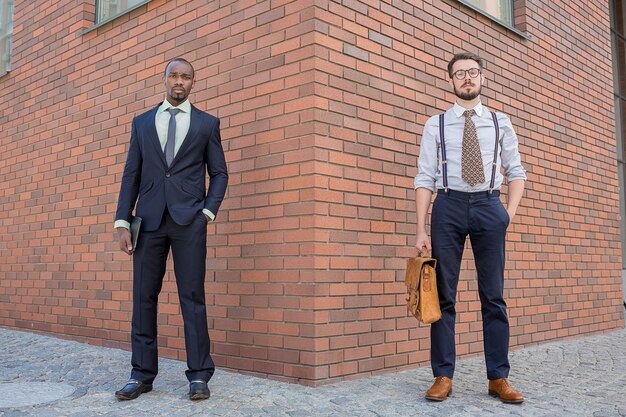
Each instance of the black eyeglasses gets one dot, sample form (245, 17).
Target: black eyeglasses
(461, 74)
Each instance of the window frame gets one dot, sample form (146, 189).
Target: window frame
(509, 26)
(103, 22)
(7, 36)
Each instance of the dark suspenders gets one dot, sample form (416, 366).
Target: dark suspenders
(444, 160)
(495, 151)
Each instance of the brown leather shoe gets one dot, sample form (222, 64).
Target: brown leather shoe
(442, 387)
(501, 388)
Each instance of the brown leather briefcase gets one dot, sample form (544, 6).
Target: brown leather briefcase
(421, 283)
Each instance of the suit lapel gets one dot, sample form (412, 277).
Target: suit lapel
(152, 135)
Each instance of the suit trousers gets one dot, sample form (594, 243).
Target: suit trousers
(483, 218)
(188, 245)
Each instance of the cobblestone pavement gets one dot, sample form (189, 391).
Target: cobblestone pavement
(48, 377)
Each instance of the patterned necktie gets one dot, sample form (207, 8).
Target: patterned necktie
(171, 134)
(472, 170)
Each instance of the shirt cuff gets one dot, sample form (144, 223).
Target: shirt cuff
(515, 177)
(209, 214)
(421, 182)
(122, 223)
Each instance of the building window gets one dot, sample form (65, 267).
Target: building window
(110, 9)
(501, 10)
(6, 35)
(618, 42)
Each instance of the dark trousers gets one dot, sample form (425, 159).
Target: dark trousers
(188, 244)
(483, 218)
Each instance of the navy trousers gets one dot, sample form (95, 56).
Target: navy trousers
(188, 244)
(483, 218)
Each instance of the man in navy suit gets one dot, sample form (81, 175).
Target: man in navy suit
(172, 148)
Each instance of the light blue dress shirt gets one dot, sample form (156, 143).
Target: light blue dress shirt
(430, 174)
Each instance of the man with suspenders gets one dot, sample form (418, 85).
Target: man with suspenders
(462, 153)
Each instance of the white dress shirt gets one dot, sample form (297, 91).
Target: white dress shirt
(183, 119)
(430, 174)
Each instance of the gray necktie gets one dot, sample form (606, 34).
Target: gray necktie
(472, 170)
(171, 134)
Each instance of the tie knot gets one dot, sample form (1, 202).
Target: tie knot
(469, 113)
(173, 111)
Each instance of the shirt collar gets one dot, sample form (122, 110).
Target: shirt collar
(458, 109)
(185, 106)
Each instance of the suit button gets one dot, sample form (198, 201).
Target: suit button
(167, 174)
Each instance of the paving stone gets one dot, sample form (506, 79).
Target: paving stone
(583, 377)
(22, 394)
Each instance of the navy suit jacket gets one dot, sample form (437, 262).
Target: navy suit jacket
(149, 186)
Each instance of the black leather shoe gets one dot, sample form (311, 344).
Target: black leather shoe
(132, 390)
(198, 390)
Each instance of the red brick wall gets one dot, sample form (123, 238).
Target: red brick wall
(322, 103)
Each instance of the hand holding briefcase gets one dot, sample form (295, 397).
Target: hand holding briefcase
(421, 282)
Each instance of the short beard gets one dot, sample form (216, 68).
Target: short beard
(468, 96)
(178, 97)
